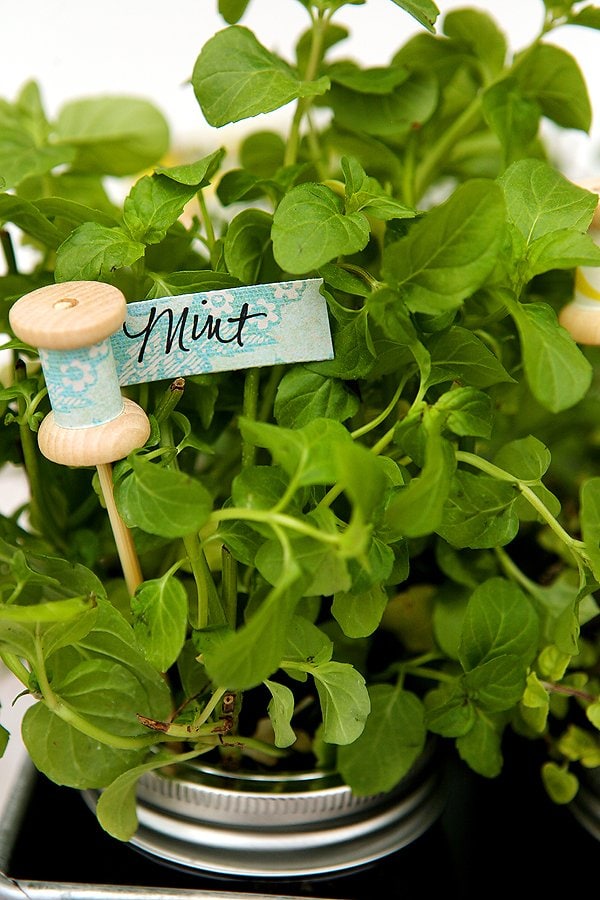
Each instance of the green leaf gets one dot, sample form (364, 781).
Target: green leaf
(481, 747)
(303, 395)
(588, 17)
(281, 710)
(162, 501)
(190, 282)
(558, 373)
(469, 412)
(114, 135)
(476, 32)
(359, 612)
(459, 355)
(42, 613)
(392, 114)
(307, 453)
(552, 77)
(366, 194)
(250, 655)
(159, 609)
(325, 568)
(69, 757)
(29, 219)
(449, 712)
(496, 684)
(310, 229)
(92, 253)
(197, 174)
(391, 743)
(116, 809)
(479, 512)
(235, 77)
(380, 80)
(247, 242)
(232, 10)
(561, 785)
(527, 458)
(449, 253)
(562, 250)
(424, 11)
(418, 508)
(499, 621)
(541, 201)
(344, 700)
(354, 353)
(512, 116)
(590, 521)
(153, 204)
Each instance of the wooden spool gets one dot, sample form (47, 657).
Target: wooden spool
(581, 317)
(62, 319)
(90, 423)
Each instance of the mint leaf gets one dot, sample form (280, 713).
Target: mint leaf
(392, 741)
(235, 77)
(310, 228)
(93, 252)
(558, 373)
(114, 135)
(159, 609)
(449, 253)
(424, 11)
(162, 501)
(499, 621)
(541, 201)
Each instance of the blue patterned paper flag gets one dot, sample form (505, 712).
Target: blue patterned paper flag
(223, 330)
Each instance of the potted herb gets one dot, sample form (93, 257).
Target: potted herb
(340, 558)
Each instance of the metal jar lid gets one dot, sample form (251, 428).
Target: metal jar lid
(266, 826)
(586, 805)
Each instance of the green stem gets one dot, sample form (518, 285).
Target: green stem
(42, 513)
(206, 591)
(169, 400)
(207, 222)
(269, 391)
(14, 664)
(119, 742)
(523, 486)
(229, 586)
(9, 252)
(250, 411)
(304, 103)
(269, 517)
(426, 170)
(369, 426)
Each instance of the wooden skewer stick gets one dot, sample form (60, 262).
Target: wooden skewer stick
(90, 424)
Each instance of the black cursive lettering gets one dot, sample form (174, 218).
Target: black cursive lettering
(176, 332)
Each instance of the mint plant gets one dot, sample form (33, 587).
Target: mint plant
(343, 557)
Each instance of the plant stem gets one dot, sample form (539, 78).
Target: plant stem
(14, 664)
(526, 491)
(42, 513)
(229, 586)
(269, 517)
(207, 222)
(304, 103)
(206, 591)
(425, 172)
(9, 252)
(250, 410)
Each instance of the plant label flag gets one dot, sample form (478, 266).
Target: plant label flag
(223, 330)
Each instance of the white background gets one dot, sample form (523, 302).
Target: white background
(147, 48)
